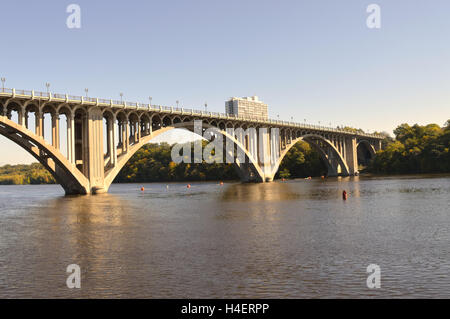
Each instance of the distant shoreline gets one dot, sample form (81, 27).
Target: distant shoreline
(365, 175)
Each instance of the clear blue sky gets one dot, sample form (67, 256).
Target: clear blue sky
(313, 60)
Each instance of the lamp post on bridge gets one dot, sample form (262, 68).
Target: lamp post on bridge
(3, 84)
(177, 103)
(206, 107)
(150, 98)
(121, 97)
(87, 91)
(48, 87)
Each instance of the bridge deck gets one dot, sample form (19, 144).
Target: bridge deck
(72, 99)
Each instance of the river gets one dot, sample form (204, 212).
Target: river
(294, 239)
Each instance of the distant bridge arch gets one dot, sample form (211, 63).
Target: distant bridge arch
(327, 150)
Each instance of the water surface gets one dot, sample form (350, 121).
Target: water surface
(295, 239)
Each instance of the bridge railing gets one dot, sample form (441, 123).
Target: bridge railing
(48, 95)
(74, 98)
(104, 101)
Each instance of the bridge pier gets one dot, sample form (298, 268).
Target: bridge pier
(95, 165)
(351, 156)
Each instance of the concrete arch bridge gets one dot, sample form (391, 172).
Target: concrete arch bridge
(102, 135)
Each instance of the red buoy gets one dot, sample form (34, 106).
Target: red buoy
(142, 189)
(188, 186)
(344, 195)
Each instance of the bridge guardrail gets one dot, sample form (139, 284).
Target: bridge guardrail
(38, 94)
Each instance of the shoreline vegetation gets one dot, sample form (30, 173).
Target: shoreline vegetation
(414, 150)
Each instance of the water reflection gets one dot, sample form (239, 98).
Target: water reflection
(91, 231)
(277, 191)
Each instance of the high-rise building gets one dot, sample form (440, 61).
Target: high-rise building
(250, 107)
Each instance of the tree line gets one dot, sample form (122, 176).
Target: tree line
(415, 149)
(153, 163)
(25, 174)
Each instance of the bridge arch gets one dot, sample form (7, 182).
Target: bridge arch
(326, 157)
(111, 174)
(166, 121)
(70, 178)
(369, 146)
(176, 120)
(365, 152)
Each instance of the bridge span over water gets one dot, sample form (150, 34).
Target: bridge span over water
(88, 166)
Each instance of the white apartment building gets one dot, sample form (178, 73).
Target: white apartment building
(247, 107)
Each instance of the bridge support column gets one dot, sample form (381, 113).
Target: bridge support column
(111, 125)
(96, 167)
(125, 135)
(139, 130)
(351, 155)
(333, 163)
(264, 156)
(114, 142)
(39, 124)
(26, 120)
(22, 120)
(55, 131)
(253, 143)
(71, 138)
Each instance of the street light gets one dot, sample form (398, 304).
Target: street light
(121, 97)
(48, 86)
(150, 98)
(177, 103)
(206, 107)
(3, 84)
(86, 90)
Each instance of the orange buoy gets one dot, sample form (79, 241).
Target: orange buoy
(323, 177)
(188, 186)
(344, 195)
(221, 183)
(142, 189)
